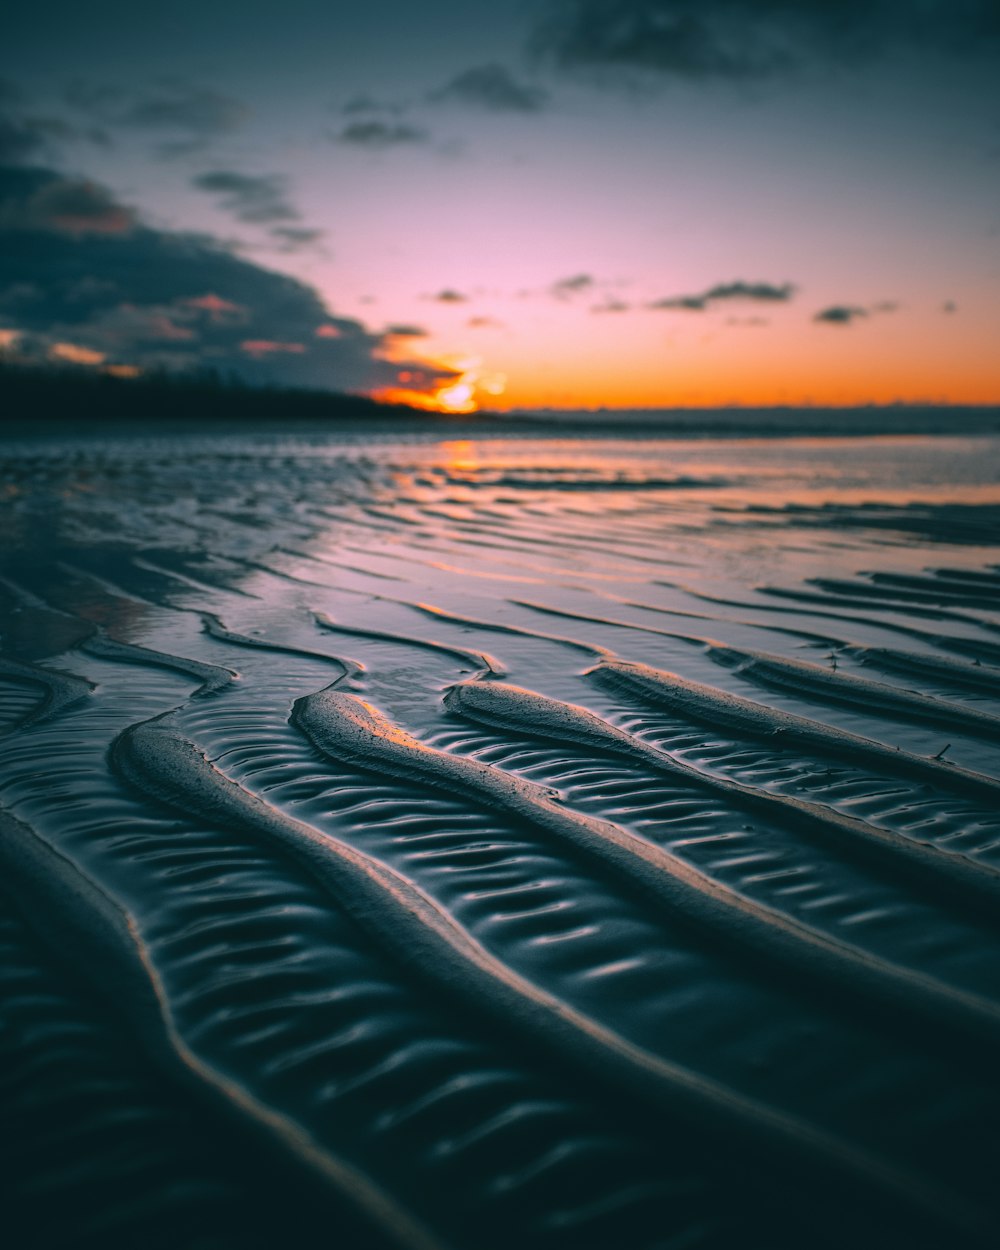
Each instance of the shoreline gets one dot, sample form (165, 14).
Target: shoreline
(695, 424)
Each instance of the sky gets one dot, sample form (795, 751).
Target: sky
(559, 204)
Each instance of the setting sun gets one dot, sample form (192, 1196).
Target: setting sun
(457, 398)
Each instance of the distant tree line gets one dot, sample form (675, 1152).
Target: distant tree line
(66, 392)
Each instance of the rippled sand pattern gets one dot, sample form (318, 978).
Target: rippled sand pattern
(502, 842)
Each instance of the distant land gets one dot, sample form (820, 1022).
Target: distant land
(32, 395)
(777, 422)
(37, 399)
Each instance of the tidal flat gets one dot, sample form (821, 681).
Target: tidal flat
(464, 839)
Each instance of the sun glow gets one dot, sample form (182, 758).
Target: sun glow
(460, 397)
(460, 393)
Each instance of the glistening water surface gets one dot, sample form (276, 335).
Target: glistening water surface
(551, 842)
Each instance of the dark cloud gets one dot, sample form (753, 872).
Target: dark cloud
(845, 314)
(56, 129)
(73, 286)
(192, 110)
(18, 141)
(611, 306)
(681, 303)
(840, 314)
(259, 200)
(406, 332)
(492, 87)
(294, 238)
(949, 306)
(175, 149)
(763, 292)
(100, 100)
(27, 137)
(196, 110)
(752, 39)
(36, 201)
(380, 134)
(448, 296)
(567, 287)
(755, 292)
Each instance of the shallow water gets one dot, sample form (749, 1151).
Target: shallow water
(677, 927)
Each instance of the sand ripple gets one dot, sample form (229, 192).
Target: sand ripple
(540, 842)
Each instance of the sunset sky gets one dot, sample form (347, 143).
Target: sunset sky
(575, 203)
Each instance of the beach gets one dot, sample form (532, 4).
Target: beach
(517, 834)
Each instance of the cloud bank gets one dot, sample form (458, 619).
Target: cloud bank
(83, 278)
(753, 39)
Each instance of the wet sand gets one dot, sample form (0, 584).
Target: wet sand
(431, 841)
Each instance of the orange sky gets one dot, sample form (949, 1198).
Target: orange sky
(647, 359)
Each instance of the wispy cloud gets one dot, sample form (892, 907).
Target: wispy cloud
(378, 134)
(723, 292)
(566, 288)
(449, 296)
(296, 238)
(361, 104)
(197, 110)
(405, 331)
(492, 87)
(256, 199)
(178, 107)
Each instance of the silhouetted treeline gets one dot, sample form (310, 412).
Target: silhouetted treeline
(30, 392)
